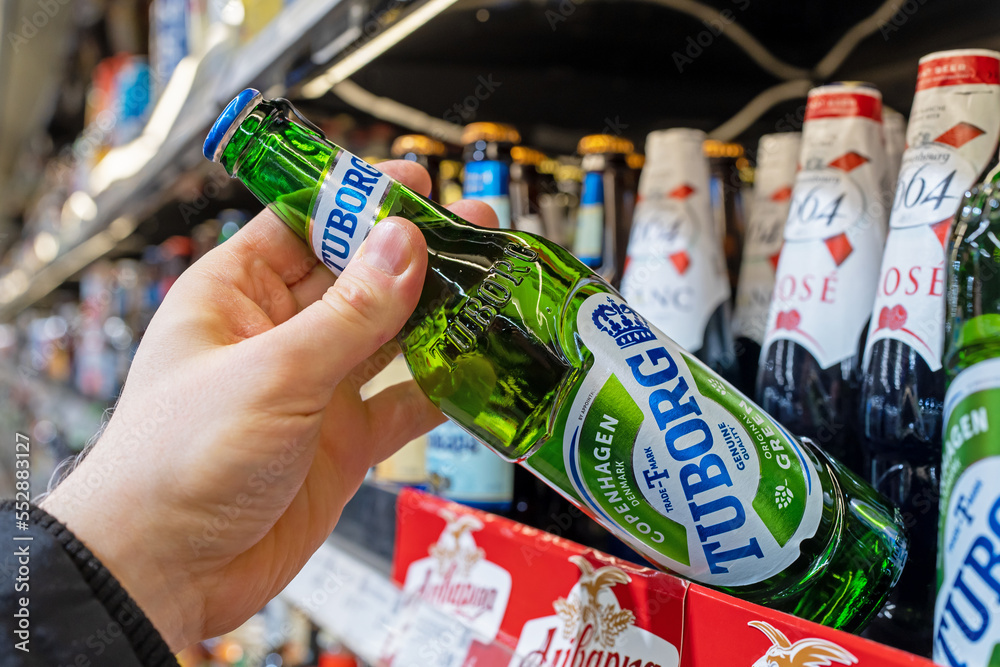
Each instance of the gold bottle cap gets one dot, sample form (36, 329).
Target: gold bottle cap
(635, 160)
(716, 149)
(493, 132)
(420, 144)
(604, 143)
(525, 155)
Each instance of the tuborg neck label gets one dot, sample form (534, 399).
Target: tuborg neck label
(688, 471)
(952, 136)
(348, 203)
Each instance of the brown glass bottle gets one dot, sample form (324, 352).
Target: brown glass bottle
(426, 152)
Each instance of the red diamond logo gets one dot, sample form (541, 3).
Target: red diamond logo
(681, 261)
(681, 192)
(774, 259)
(848, 161)
(782, 194)
(840, 248)
(941, 230)
(959, 135)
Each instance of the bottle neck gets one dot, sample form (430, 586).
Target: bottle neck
(973, 316)
(489, 150)
(280, 161)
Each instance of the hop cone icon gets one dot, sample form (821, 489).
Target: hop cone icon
(783, 496)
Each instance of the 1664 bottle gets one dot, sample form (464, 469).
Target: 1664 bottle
(777, 159)
(952, 138)
(810, 365)
(539, 358)
(675, 273)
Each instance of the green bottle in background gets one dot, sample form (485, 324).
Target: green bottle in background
(527, 349)
(966, 624)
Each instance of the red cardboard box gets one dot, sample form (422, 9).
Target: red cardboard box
(537, 600)
(553, 602)
(722, 630)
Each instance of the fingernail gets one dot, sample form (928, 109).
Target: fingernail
(387, 248)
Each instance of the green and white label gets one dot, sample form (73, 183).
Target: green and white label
(347, 205)
(967, 612)
(683, 467)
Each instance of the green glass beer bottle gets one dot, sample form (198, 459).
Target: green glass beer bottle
(527, 349)
(966, 630)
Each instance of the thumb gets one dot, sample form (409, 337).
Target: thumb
(365, 308)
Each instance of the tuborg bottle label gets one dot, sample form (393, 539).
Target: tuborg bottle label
(350, 200)
(825, 280)
(952, 135)
(689, 472)
(968, 601)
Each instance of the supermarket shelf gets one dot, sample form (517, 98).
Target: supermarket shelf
(367, 527)
(129, 183)
(346, 586)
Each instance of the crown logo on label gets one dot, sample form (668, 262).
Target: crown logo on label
(622, 323)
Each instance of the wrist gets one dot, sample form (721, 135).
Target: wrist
(121, 548)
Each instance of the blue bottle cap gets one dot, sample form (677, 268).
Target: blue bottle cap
(226, 121)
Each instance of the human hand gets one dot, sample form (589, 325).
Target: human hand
(240, 434)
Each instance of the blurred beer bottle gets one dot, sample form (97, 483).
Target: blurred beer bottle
(487, 166)
(525, 186)
(426, 152)
(777, 159)
(675, 274)
(726, 189)
(604, 219)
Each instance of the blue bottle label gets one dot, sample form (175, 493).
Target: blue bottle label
(489, 181)
(589, 244)
(461, 468)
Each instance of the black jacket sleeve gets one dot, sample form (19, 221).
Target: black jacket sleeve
(59, 606)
